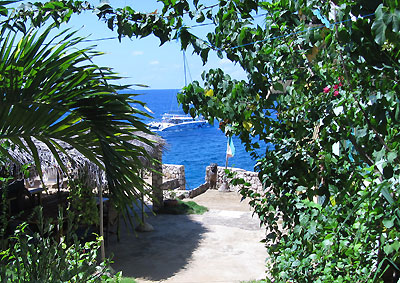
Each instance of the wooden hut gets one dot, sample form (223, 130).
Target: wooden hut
(73, 161)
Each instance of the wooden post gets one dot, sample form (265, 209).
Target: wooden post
(58, 182)
(143, 226)
(142, 175)
(102, 248)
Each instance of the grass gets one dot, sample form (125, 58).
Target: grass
(126, 280)
(184, 207)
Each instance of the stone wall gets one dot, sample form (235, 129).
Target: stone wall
(250, 177)
(171, 184)
(199, 190)
(173, 172)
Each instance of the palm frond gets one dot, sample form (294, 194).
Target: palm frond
(50, 91)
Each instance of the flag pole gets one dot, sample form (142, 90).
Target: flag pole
(226, 167)
(230, 152)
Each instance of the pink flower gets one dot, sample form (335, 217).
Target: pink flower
(326, 89)
(340, 84)
(335, 86)
(336, 93)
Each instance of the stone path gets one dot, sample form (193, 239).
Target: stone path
(222, 245)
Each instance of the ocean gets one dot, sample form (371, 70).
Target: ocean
(193, 148)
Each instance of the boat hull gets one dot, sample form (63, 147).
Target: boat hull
(171, 122)
(186, 126)
(179, 127)
(177, 123)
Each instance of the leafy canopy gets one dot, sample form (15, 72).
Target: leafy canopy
(323, 90)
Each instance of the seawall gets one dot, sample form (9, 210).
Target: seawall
(248, 176)
(174, 179)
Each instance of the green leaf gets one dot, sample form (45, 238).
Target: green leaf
(388, 223)
(204, 55)
(388, 249)
(396, 245)
(192, 112)
(242, 36)
(200, 17)
(396, 21)
(379, 26)
(379, 155)
(3, 11)
(326, 244)
(360, 133)
(278, 86)
(391, 156)
(312, 204)
(313, 228)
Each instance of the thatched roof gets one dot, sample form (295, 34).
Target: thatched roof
(158, 145)
(75, 161)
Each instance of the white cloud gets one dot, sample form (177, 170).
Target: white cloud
(225, 61)
(154, 62)
(239, 74)
(137, 53)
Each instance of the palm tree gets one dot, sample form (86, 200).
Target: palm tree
(51, 91)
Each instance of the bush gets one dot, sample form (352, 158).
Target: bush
(46, 255)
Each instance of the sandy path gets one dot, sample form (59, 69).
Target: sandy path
(222, 245)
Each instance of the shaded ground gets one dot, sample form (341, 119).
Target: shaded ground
(222, 245)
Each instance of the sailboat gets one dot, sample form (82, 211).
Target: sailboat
(177, 122)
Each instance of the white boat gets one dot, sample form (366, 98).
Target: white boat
(174, 122)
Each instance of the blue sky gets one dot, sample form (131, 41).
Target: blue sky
(143, 61)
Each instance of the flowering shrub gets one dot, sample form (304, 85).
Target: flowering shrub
(327, 98)
(336, 88)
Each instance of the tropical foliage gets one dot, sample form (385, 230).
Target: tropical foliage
(53, 93)
(322, 91)
(82, 200)
(48, 255)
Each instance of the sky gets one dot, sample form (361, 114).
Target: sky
(143, 61)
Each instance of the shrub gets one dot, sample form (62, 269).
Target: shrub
(42, 253)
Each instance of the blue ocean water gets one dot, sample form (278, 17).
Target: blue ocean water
(193, 148)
